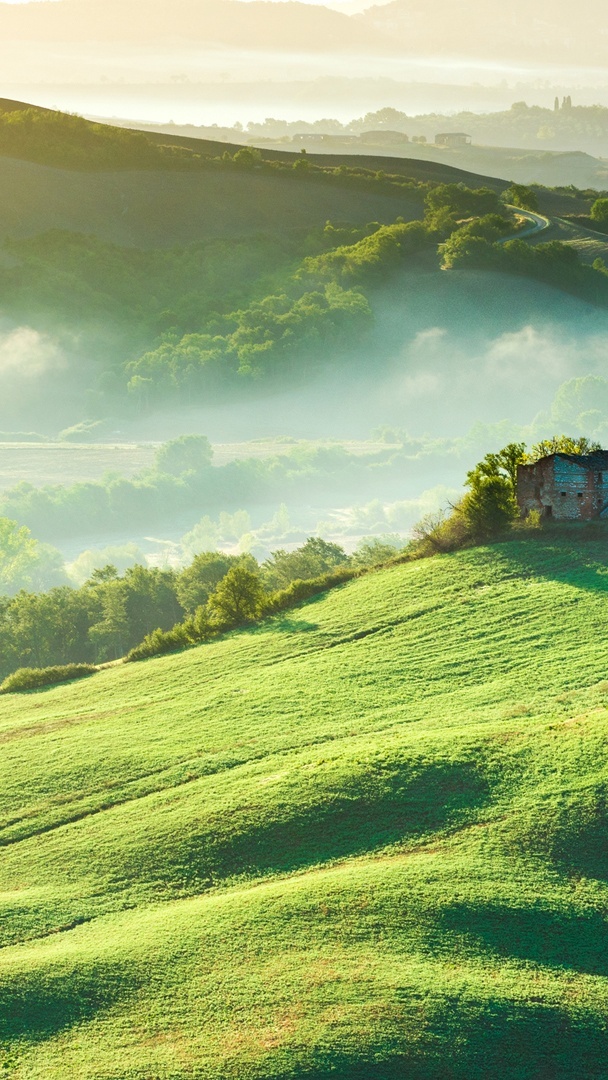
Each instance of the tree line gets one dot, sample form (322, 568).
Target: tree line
(112, 614)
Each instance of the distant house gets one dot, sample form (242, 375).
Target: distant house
(566, 487)
(452, 139)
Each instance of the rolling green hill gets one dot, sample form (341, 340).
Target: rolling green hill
(366, 840)
(155, 208)
(62, 172)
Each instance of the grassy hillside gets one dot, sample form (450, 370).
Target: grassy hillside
(366, 840)
(160, 208)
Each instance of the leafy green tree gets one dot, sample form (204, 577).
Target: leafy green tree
(521, 196)
(110, 636)
(489, 506)
(151, 601)
(102, 574)
(247, 157)
(462, 201)
(315, 558)
(491, 502)
(561, 444)
(503, 464)
(196, 583)
(24, 562)
(374, 550)
(599, 211)
(189, 453)
(475, 242)
(239, 596)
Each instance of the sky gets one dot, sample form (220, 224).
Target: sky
(194, 62)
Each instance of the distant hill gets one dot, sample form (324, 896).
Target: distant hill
(257, 25)
(364, 841)
(482, 28)
(490, 28)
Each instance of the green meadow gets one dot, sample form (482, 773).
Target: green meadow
(364, 840)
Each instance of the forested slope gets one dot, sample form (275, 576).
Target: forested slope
(363, 840)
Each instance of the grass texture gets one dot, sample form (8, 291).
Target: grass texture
(366, 840)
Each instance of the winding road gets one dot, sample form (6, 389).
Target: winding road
(538, 223)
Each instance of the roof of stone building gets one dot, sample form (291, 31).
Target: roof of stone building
(596, 460)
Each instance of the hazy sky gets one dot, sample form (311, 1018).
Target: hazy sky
(216, 61)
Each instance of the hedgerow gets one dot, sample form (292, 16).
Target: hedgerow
(38, 678)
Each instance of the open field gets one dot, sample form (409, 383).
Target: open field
(69, 463)
(364, 840)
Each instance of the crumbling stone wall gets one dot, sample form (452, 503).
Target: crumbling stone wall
(565, 487)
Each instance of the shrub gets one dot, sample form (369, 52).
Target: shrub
(37, 678)
(160, 642)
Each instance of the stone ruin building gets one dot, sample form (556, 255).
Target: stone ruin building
(566, 487)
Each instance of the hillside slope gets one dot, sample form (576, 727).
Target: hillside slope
(155, 208)
(366, 840)
(181, 199)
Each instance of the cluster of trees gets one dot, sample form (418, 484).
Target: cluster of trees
(312, 313)
(453, 202)
(291, 328)
(271, 335)
(112, 614)
(25, 563)
(373, 255)
(142, 293)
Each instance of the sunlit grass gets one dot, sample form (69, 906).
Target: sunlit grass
(364, 840)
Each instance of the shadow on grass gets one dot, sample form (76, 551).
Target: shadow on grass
(470, 1040)
(573, 554)
(40, 1004)
(574, 836)
(285, 624)
(377, 810)
(552, 938)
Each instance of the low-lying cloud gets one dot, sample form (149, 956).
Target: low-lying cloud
(27, 354)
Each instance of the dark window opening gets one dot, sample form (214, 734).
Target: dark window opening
(579, 494)
(548, 511)
(600, 478)
(563, 494)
